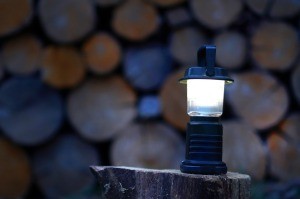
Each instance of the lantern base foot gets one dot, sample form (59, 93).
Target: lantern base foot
(205, 168)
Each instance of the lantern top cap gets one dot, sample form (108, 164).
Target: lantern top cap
(206, 67)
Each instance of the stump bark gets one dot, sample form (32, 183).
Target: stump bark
(127, 182)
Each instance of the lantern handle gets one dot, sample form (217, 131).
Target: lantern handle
(206, 58)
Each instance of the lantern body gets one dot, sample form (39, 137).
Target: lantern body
(205, 97)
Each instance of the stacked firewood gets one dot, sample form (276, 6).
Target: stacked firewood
(95, 82)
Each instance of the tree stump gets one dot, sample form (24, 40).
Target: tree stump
(295, 81)
(135, 20)
(150, 145)
(166, 3)
(216, 14)
(127, 182)
(275, 45)
(61, 167)
(269, 99)
(231, 49)
(30, 112)
(21, 56)
(15, 171)
(184, 44)
(173, 99)
(101, 108)
(62, 67)
(243, 150)
(68, 20)
(146, 68)
(15, 14)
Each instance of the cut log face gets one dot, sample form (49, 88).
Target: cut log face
(284, 157)
(149, 106)
(150, 145)
(275, 45)
(14, 171)
(258, 98)
(68, 20)
(166, 3)
(295, 81)
(62, 67)
(216, 14)
(285, 8)
(258, 6)
(61, 168)
(14, 15)
(178, 16)
(21, 55)
(232, 49)
(135, 20)
(30, 112)
(100, 108)
(102, 52)
(243, 150)
(290, 128)
(174, 102)
(184, 44)
(146, 68)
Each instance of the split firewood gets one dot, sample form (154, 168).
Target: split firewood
(68, 20)
(135, 20)
(15, 14)
(61, 167)
(101, 108)
(258, 98)
(30, 112)
(102, 53)
(62, 67)
(149, 145)
(216, 14)
(15, 171)
(275, 45)
(21, 55)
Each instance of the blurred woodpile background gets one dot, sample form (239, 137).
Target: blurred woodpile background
(94, 82)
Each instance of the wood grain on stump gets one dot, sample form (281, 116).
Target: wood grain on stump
(231, 49)
(101, 108)
(135, 20)
(61, 167)
(185, 43)
(258, 98)
(243, 150)
(275, 45)
(216, 14)
(174, 103)
(149, 145)
(166, 3)
(127, 182)
(21, 55)
(295, 81)
(284, 158)
(14, 15)
(15, 171)
(102, 52)
(30, 112)
(68, 20)
(62, 67)
(146, 68)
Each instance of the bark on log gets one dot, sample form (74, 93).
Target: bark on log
(21, 56)
(61, 168)
(184, 44)
(15, 171)
(68, 20)
(243, 150)
(174, 104)
(166, 3)
(149, 145)
(62, 67)
(127, 182)
(232, 49)
(269, 99)
(149, 106)
(178, 17)
(102, 53)
(135, 20)
(15, 14)
(295, 81)
(275, 45)
(30, 112)
(101, 108)
(216, 14)
(146, 68)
